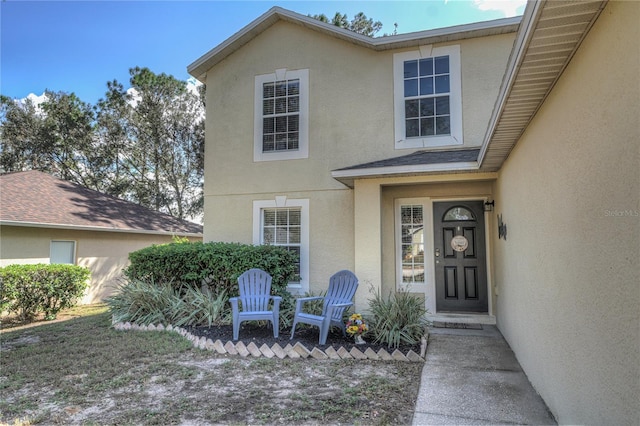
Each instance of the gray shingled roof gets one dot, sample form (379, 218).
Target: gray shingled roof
(421, 158)
(39, 199)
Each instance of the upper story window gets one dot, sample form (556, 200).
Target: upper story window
(281, 123)
(427, 97)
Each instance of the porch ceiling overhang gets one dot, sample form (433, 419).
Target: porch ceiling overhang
(549, 35)
(414, 164)
(202, 65)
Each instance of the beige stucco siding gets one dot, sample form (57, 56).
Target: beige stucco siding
(351, 121)
(567, 275)
(104, 253)
(351, 107)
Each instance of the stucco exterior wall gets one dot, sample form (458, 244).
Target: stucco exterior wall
(567, 276)
(351, 121)
(104, 253)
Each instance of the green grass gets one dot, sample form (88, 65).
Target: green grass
(82, 371)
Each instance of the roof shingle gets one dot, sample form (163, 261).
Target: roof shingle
(37, 198)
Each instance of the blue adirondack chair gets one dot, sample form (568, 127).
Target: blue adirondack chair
(342, 288)
(255, 295)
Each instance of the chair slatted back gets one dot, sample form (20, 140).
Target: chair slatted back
(255, 289)
(342, 288)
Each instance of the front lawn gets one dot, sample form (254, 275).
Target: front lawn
(82, 371)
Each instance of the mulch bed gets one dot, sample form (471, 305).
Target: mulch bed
(307, 336)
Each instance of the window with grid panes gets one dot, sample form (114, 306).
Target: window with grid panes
(412, 243)
(282, 227)
(427, 97)
(426, 93)
(281, 115)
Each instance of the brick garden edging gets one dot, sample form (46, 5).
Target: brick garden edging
(296, 351)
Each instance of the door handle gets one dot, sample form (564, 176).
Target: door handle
(437, 252)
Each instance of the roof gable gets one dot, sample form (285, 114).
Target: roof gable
(37, 199)
(199, 67)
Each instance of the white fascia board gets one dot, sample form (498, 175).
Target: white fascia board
(397, 170)
(447, 31)
(95, 228)
(200, 66)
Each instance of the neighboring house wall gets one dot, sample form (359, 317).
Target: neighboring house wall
(567, 275)
(104, 253)
(351, 121)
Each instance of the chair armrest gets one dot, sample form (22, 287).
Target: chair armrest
(301, 300)
(341, 305)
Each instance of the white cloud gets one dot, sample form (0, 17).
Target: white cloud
(134, 98)
(193, 85)
(35, 100)
(508, 7)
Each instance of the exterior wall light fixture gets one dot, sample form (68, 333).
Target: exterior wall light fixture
(488, 205)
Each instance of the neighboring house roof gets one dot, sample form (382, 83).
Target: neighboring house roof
(550, 34)
(199, 68)
(37, 199)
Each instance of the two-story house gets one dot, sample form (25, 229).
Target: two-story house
(491, 168)
(340, 147)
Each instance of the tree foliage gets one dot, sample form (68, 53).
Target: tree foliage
(359, 24)
(145, 144)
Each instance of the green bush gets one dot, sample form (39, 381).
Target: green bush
(28, 290)
(207, 274)
(398, 319)
(218, 265)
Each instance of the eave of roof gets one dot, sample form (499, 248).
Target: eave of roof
(200, 66)
(417, 163)
(550, 34)
(177, 233)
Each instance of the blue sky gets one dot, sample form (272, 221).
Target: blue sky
(77, 46)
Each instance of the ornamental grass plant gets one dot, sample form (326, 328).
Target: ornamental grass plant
(398, 319)
(146, 303)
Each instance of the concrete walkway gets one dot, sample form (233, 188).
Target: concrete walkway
(472, 377)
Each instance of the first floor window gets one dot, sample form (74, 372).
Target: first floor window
(414, 245)
(284, 222)
(63, 252)
(281, 227)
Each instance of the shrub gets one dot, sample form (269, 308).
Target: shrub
(189, 265)
(215, 266)
(398, 319)
(146, 303)
(28, 290)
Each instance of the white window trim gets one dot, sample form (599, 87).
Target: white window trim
(282, 201)
(428, 286)
(455, 98)
(303, 147)
(63, 241)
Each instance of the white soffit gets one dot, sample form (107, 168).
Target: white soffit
(550, 34)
